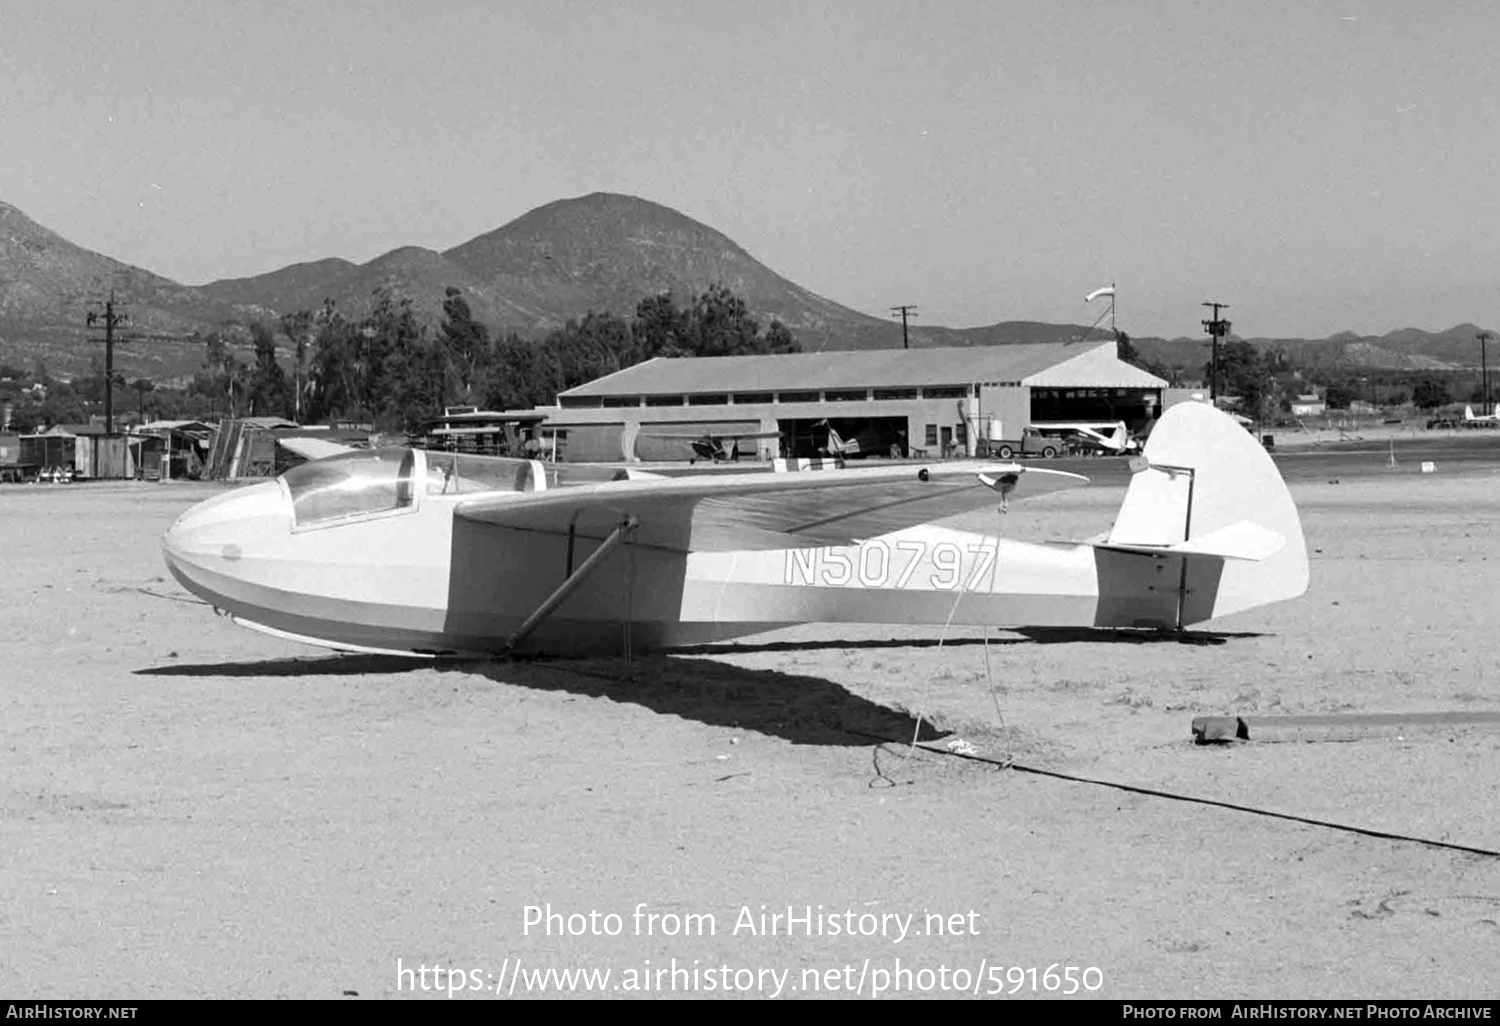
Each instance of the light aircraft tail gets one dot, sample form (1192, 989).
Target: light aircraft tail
(1469, 414)
(1208, 505)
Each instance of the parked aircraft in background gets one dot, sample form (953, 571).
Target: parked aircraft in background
(1470, 417)
(486, 432)
(715, 448)
(446, 553)
(874, 440)
(1097, 436)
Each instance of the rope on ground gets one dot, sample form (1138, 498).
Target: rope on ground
(1152, 792)
(989, 674)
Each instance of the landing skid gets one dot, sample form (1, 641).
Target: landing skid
(341, 646)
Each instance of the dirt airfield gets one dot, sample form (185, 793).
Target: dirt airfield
(194, 810)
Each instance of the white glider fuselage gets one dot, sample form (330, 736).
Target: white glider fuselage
(404, 582)
(407, 572)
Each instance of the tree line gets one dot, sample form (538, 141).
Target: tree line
(1267, 380)
(393, 371)
(390, 369)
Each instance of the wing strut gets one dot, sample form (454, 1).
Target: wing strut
(616, 538)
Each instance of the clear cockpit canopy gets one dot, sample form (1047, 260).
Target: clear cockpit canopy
(451, 473)
(352, 484)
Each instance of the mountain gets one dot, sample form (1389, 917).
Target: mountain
(298, 287)
(48, 285)
(602, 252)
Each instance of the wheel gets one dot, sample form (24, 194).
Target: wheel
(1005, 452)
(1049, 451)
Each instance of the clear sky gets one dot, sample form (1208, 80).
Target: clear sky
(1319, 165)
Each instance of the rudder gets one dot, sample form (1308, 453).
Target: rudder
(1205, 492)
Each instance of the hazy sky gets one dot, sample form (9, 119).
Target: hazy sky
(1319, 165)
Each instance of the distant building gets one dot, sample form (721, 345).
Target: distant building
(89, 451)
(929, 402)
(170, 449)
(1309, 406)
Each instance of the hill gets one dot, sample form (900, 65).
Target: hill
(598, 252)
(603, 251)
(48, 285)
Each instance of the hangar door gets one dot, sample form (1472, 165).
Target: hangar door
(583, 443)
(671, 441)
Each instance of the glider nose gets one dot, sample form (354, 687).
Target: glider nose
(213, 537)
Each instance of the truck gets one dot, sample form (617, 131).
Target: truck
(1031, 443)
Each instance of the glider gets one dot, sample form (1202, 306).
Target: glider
(406, 550)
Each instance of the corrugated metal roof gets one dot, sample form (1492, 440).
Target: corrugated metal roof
(78, 430)
(883, 368)
(175, 425)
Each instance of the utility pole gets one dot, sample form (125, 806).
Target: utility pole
(903, 311)
(1216, 329)
(1484, 371)
(108, 321)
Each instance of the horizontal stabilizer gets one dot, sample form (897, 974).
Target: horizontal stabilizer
(1243, 539)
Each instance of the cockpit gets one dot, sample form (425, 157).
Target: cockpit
(380, 482)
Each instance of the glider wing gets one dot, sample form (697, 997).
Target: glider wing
(767, 511)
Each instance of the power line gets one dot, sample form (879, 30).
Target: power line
(107, 318)
(903, 311)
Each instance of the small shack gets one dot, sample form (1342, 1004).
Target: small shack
(168, 450)
(11, 466)
(90, 452)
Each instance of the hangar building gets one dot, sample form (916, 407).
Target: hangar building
(901, 402)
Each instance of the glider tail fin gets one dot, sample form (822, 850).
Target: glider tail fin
(1207, 527)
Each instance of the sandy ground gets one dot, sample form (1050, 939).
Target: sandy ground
(190, 809)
